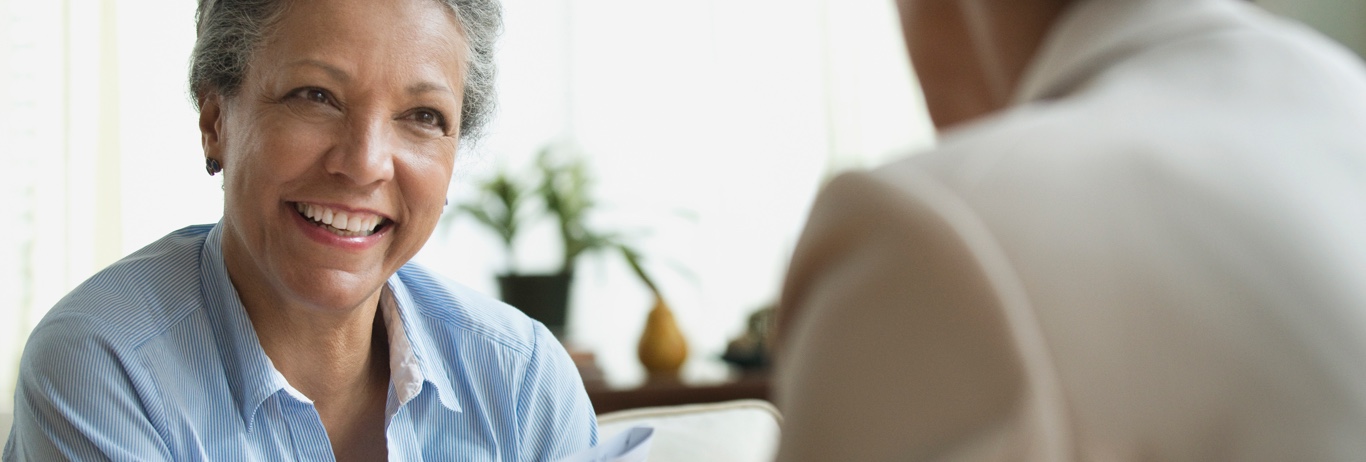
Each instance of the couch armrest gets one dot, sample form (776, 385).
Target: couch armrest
(744, 430)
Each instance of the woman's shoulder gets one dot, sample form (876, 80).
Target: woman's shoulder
(450, 308)
(141, 294)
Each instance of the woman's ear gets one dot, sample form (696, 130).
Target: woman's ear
(211, 124)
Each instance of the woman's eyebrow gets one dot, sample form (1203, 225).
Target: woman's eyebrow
(428, 87)
(332, 71)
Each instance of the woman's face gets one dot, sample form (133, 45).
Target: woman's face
(338, 149)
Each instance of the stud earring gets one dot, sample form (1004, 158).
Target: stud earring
(212, 166)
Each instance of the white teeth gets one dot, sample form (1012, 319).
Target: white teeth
(340, 223)
(340, 220)
(355, 225)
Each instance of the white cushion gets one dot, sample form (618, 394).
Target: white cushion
(734, 431)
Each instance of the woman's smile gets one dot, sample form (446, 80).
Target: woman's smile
(341, 222)
(339, 228)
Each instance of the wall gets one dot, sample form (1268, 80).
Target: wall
(1344, 20)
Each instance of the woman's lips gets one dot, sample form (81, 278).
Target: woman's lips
(361, 230)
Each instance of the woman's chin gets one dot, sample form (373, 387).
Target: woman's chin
(338, 291)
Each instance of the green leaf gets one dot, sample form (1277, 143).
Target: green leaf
(633, 258)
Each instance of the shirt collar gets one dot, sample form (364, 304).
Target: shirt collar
(252, 377)
(413, 359)
(1092, 35)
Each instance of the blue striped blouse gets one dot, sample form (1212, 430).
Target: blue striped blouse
(154, 358)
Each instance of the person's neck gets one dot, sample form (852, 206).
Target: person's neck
(980, 53)
(1018, 31)
(326, 356)
(341, 363)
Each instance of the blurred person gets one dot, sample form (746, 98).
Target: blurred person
(296, 328)
(1142, 236)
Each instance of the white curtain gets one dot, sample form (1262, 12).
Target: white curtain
(51, 119)
(98, 145)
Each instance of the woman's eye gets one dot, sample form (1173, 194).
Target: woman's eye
(313, 95)
(429, 117)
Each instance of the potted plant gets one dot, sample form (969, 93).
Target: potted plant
(562, 186)
(501, 209)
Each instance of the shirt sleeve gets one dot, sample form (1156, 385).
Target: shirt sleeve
(76, 399)
(555, 418)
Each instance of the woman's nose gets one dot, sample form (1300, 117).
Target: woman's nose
(366, 153)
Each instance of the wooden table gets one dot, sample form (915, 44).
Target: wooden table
(674, 392)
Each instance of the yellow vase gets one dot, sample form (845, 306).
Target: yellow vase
(662, 348)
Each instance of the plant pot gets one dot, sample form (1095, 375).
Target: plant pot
(543, 297)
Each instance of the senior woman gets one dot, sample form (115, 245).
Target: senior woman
(296, 328)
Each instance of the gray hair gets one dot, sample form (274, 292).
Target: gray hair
(231, 31)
